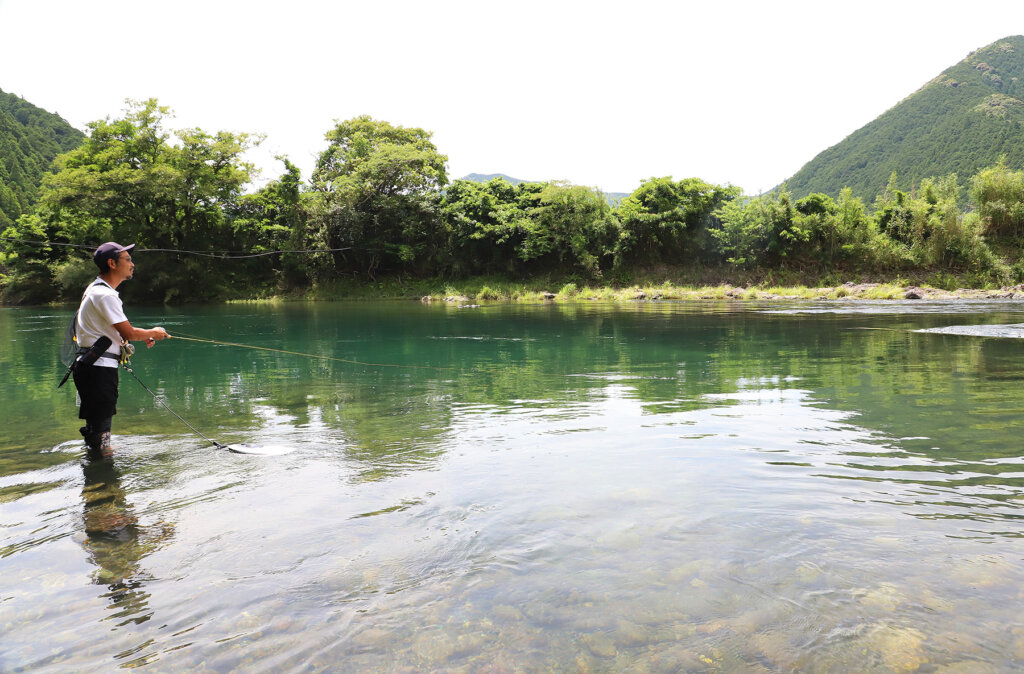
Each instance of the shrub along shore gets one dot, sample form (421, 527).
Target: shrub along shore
(497, 290)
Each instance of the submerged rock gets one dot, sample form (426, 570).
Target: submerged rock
(433, 647)
(900, 648)
(507, 613)
(886, 597)
(631, 635)
(600, 645)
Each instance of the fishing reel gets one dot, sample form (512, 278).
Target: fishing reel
(127, 351)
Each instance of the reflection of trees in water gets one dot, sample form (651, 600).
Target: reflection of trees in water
(668, 356)
(116, 543)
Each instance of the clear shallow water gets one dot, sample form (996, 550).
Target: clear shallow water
(649, 487)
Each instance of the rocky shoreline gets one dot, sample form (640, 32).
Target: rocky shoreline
(846, 291)
(870, 291)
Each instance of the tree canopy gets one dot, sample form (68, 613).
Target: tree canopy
(379, 203)
(374, 190)
(129, 182)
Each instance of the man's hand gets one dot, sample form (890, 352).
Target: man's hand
(159, 333)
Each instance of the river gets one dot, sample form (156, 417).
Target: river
(643, 487)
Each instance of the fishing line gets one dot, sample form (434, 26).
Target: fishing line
(243, 448)
(167, 407)
(266, 450)
(247, 448)
(194, 338)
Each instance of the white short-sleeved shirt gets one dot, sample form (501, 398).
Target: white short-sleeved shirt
(101, 308)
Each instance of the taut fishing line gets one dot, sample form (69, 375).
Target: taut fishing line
(249, 448)
(227, 255)
(194, 338)
(238, 448)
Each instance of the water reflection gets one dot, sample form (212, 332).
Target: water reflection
(116, 544)
(583, 488)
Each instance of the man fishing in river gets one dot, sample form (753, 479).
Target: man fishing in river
(100, 324)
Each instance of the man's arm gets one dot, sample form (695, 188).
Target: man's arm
(133, 334)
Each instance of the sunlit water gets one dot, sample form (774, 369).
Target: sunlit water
(653, 487)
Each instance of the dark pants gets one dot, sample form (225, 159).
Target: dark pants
(97, 387)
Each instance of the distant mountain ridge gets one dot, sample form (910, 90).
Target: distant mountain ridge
(487, 177)
(959, 122)
(612, 197)
(30, 139)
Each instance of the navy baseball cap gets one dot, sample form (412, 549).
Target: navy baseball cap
(108, 251)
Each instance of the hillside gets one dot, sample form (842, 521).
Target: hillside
(485, 177)
(30, 138)
(612, 197)
(959, 122)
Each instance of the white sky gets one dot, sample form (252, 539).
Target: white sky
(602, 94)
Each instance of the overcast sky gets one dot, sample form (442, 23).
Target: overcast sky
(603, 94)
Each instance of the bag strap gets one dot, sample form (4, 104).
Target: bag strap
(74, 319)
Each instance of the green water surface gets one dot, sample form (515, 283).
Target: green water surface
(651, 487)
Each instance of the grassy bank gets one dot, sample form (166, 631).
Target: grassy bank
(651, 286)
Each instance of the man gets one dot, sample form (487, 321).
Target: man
(101, 314)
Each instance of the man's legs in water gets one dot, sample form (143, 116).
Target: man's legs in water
(97, 435)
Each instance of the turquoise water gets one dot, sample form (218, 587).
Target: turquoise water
(651, 487)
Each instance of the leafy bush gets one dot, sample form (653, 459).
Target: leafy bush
(488, 293)
(664, 220)
(998, 194)
(73, 276)
(569, 290)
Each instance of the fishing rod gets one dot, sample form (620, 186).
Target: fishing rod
(238, 448)
(194, 338)
(247, 448)
(127, 366)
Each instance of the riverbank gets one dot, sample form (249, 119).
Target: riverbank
(864, 291)
(476, 290)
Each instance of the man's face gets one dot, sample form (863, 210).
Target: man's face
(123, 265)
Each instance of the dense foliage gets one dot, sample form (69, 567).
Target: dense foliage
(30, 139)
(379, 203)
(128, 182)
(959, 122)
(374, 191)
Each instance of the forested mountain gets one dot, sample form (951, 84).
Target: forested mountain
(30, 138)
(485, 177)
(959, 122)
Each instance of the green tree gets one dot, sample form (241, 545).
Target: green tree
(570, 224)
(273, 219)
(487, 224)
(893, 213)
(762, 229)
(664, 220)
(998, 195)
(849, 232)
(376, 189)
(945, 235)
(127, 182)
(816, 214)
